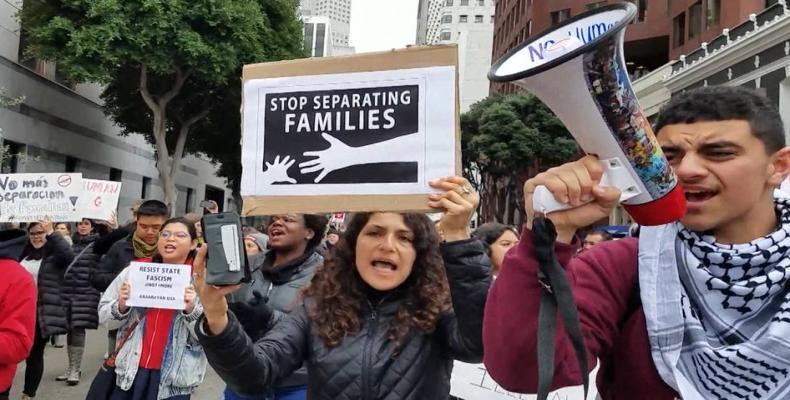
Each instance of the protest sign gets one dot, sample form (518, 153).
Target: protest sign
(153, 285)
(99, 198)
(472, 382)
(31, 197)
(356, 133)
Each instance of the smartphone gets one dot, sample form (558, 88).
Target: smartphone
(226, 261)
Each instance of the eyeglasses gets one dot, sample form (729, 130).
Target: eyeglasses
(179, 235)
(38, 233)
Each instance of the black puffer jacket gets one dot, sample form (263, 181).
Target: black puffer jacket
(363, 366)
(79, 296)
(111, 264)
(50, 308)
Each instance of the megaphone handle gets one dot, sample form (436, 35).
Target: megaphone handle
(614, 174)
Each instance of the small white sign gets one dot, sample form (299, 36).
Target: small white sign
(472, 382)
(31, 197)
(153, 285)
(99, 199)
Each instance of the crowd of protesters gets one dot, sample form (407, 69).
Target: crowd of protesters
(380, 305)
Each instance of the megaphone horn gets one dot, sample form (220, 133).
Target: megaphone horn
(578, 70)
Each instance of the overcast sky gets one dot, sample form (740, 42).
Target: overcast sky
(382, 24)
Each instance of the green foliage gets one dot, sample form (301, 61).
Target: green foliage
(505, 140)
(168, 65)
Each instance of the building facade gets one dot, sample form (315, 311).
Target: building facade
(663, 29)
(338, 14)
(318, 36)
(60, 128)
(470, 25)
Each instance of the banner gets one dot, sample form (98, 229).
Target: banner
(349, 134)
(31, 197)
(153, 285)
(472, 382)
(99, 198)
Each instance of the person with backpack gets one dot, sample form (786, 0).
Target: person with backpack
(712, 292)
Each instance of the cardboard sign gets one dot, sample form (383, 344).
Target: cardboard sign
(153, 285)
(357, 133)
(472, 382)
(31, 197)
(99, 199)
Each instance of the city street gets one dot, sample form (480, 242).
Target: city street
(55, 363)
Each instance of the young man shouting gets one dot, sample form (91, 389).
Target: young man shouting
(698, 309)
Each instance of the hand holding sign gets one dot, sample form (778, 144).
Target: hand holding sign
(459, 202)
(337, 156)
(46, 224)
(277, 171)
(189, 299)
(123, 297)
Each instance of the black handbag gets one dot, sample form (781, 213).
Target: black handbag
(104, 382)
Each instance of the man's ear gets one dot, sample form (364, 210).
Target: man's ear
(310, 234)
(779, 168)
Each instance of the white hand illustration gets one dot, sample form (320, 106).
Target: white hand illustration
(337, 156)
(277, 171)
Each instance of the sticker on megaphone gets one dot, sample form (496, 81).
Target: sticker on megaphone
(615, 174)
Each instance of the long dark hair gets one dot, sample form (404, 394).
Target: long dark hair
(338, 290)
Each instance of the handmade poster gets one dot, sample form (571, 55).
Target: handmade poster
(99, 198)
(472, 382)
(357, 133)
(31, 197)
(153, 285)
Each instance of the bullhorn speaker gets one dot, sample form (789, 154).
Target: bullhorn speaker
(578, 70)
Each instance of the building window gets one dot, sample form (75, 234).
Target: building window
(464, 2)
(146, 187)
(492, 19)
(679, 30)
(668, 6)
(190, 199)
(713, 13)
(463, 18)
(695, 20)
(10, 160)
(529, 28)
(71, 164)
(320, 34)
(444, 36)
(641, 6)
(448, 3)
(593, 6)
(447, 19)
(560, 15)
(481, 3)
(116, 175)
(478, 19)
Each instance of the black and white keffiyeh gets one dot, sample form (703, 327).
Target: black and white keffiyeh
(719, 323)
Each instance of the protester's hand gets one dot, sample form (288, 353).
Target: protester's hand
(47, 225)
(277, 171)
(574, 183)
(215, 307)
(458, 202)
(337, 156)
(123, 297)
(254, 314)
(189, 299)
(113, 221)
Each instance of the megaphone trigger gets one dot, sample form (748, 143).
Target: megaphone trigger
(614, 174)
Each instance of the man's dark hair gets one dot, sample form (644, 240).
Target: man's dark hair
(153, 208)
(317, 223)
(606, 236)
(723, 103)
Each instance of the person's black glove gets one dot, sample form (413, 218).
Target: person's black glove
(254, 315)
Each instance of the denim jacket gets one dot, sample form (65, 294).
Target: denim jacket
(184, 363)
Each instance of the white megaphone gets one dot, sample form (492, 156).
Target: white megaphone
(578, 70)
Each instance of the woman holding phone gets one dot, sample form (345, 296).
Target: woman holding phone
(162, 358)
(382, 319)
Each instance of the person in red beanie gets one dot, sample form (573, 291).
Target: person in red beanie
(17, 308)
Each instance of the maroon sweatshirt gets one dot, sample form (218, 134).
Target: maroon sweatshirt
(605, 285)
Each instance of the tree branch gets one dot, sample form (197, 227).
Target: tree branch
(186, 126)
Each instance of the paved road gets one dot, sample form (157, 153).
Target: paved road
(55, 363)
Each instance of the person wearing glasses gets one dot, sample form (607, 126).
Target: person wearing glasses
(162, 358)
(45, 257)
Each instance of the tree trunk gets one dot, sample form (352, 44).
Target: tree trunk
(158, 105)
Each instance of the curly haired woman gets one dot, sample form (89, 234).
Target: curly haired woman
(382, 319)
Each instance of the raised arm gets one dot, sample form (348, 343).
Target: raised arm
(468, 273)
